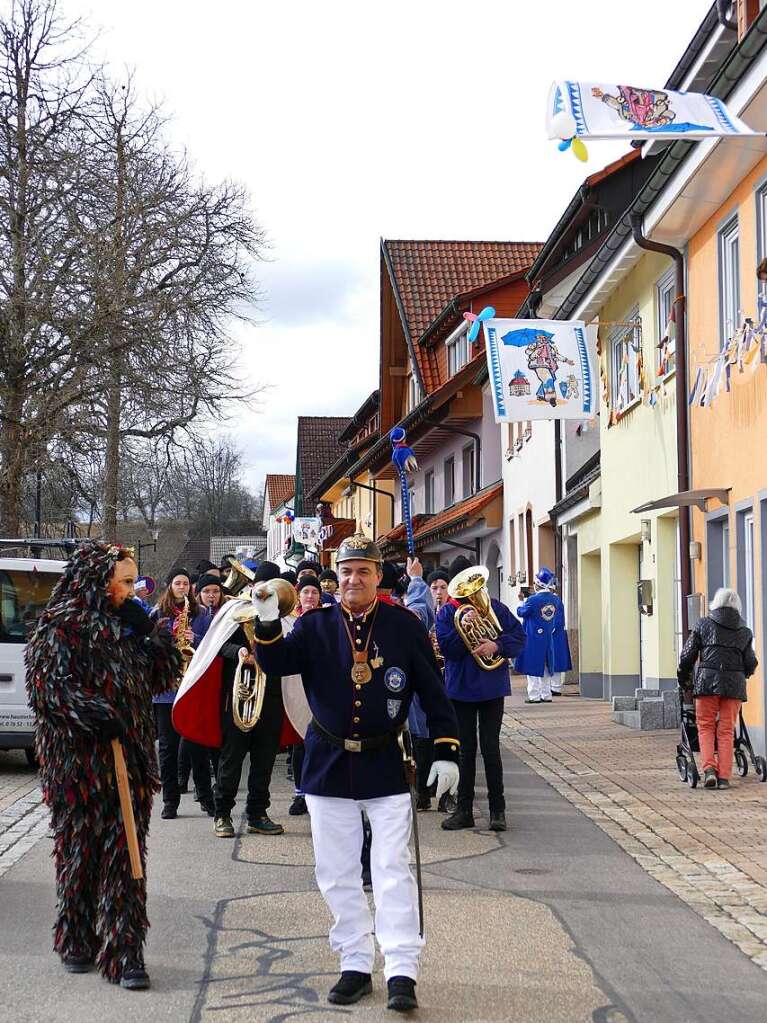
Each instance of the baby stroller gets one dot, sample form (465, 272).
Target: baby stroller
(689, 746)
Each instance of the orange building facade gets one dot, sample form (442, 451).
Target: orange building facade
(728, 438)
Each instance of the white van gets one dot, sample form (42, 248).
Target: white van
(25, 587)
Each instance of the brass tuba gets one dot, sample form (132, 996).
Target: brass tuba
(239, 577)
(250, 682)
(470, 586)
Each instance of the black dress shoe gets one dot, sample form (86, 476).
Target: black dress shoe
(350, 987)
(498, 821)
(401, 994)
(135, 978)
(264, 826)
(169, 812)
(298, 807)
(77, 963)
(459, 819)
(528, 700)
(447, 803)
(423, 803)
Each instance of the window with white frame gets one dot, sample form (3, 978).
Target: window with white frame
(749, 610)
(449, 470)
(467, 468)
(761, 239)
(457, 352)
(664, 295)
(729, 279)
(414, 392)
(428, 486)
(625, 346)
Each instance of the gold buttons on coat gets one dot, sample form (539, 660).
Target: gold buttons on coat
(356, 721)
(358, 703)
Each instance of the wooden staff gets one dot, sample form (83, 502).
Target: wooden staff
(126, 805)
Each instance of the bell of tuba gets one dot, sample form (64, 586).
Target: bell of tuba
(470, 587)
(239, 577)
(249, 686)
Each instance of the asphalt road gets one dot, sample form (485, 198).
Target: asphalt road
(550, 922)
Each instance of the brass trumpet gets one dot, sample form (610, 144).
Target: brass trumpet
(250, 682)
(471, 586)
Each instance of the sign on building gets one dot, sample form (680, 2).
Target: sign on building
(541, 369)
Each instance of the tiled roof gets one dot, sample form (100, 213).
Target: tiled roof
(467, 509)
(317, 449)
(426, 526)
(279, 488)
(342, 530)
(428, 274)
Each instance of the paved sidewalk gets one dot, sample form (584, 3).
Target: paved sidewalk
(709, 847)
(23, 818)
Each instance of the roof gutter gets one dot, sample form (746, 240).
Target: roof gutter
(682, 442)
(723, 15)
(723, 83)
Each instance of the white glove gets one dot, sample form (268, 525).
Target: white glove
(445, 773)
(267, 608)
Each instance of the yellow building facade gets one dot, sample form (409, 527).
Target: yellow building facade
(627, 565)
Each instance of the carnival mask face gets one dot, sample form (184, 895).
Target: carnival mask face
(180, 587)
(358, 582)
(210, 596)
(122, 581)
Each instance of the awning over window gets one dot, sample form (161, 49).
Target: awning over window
(686, 499)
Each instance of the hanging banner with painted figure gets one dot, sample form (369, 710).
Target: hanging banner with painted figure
(600, 110)
(541, 369)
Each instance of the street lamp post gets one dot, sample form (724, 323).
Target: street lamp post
(141, 546)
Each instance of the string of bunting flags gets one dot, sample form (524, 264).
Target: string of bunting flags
(741, 351)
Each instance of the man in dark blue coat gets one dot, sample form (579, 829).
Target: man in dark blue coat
(361, 662)
(547, 651)
(478, 696)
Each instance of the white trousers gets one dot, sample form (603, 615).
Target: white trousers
(539, 687)
(337, 838)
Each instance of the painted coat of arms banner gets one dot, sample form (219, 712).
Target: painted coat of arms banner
(601, 110)
(541, 369)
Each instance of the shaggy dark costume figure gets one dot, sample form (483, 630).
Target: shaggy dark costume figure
(90, 678)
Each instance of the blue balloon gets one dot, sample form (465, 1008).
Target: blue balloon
(564, 145)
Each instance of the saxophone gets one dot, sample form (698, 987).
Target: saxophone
(185, 649)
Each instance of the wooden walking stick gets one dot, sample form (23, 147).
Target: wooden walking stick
(126, 806)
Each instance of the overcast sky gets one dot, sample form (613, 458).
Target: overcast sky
(352, 120)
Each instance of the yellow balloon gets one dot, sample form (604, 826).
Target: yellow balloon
(580, 150)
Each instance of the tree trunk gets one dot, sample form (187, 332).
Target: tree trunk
(112, 460)
(13, 460)
(114, 393)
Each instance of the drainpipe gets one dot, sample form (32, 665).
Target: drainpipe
(723, 14)
(682, 439)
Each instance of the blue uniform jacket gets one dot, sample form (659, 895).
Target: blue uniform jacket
(543, 616)
(464, 678)
(402, 663)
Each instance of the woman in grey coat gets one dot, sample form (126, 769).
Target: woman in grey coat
(723, 646)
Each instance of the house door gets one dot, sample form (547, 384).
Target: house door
(643, 623)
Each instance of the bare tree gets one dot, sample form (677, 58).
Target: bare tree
(171, 261)
(42, 95)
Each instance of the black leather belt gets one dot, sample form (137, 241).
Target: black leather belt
(353, 745)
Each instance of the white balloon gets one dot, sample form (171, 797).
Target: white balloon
(564, 125)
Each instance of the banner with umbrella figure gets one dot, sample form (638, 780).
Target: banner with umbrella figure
(540, 369)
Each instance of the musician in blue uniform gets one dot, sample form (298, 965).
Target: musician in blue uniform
(478, 697)
(547, 651)
(361, 662)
